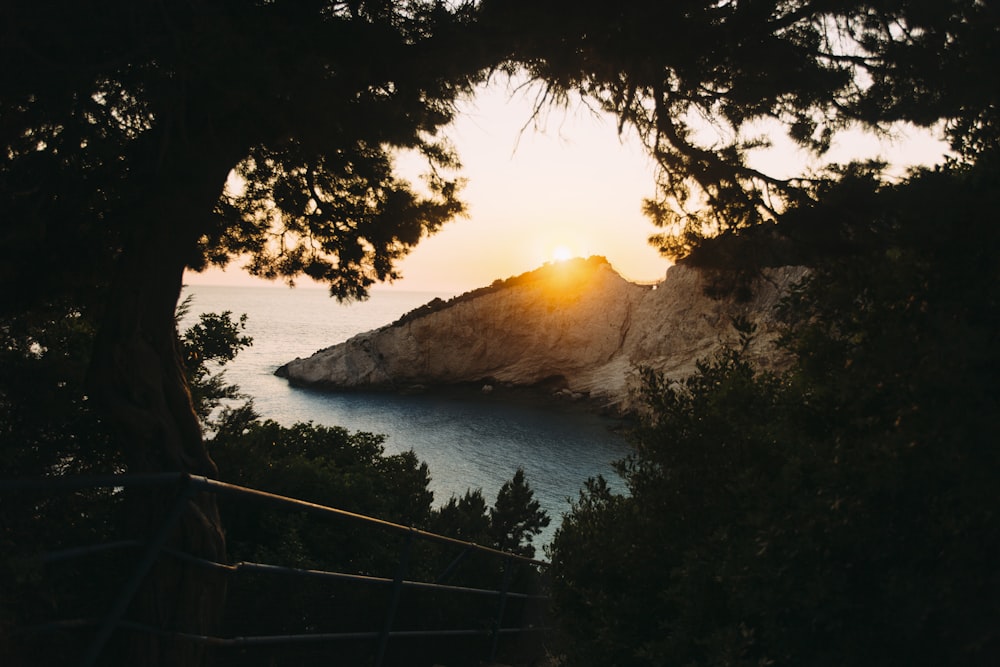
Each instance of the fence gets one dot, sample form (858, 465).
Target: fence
(99, 629)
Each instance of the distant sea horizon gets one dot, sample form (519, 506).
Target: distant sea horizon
(468, 441)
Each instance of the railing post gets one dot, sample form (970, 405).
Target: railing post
(507, 571)
(132, 585)
(397, 587)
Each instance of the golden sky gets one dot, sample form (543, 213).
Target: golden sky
(566, 184)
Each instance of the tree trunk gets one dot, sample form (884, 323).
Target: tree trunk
(137, 377)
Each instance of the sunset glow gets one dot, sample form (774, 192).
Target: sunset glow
(561, 254)
(564, 186)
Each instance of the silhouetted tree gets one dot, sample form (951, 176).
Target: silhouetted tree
(121, 123)
(517, 518)
(704, 84)
(842, 512)
(465, 518)
(49, 428)
(206, 346)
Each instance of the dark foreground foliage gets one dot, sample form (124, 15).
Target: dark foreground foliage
(842, 513)
(48, 430)
(352, 471)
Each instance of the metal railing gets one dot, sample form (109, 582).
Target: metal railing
(156, 547)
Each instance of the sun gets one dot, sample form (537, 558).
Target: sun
(561, 253)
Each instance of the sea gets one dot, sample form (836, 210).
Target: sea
(469, 441)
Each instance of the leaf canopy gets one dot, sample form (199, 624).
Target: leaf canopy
(704, 84)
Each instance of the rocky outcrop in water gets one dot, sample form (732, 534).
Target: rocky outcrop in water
(573, 328)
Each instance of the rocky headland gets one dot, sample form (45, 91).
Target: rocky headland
(574, 329)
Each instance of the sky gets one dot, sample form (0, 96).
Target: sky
(563, 185)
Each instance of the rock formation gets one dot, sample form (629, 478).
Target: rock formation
(573, 328)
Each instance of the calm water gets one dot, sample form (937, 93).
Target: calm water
(468, 443)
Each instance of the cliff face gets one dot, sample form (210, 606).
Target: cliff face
(575, 327)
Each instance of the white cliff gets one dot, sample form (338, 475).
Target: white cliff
(574, 327)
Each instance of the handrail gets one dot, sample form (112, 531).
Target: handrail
(323, 574)
(225, 487)
(190, 484)
(200, 482)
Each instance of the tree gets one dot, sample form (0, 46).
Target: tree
(517, 518)
(466, 518)
(841, 512)
(47, 425)
(206, 346)
(705, 84)
(121, 123)
(129, 105)
(48, 428)
(120, 126)
(511, 525)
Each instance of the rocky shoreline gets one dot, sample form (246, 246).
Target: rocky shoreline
(574, 332)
